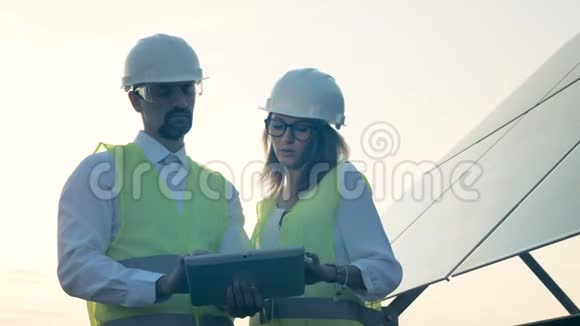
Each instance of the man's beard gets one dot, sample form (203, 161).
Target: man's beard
(173, 130)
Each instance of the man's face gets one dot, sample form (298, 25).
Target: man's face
(166, 108)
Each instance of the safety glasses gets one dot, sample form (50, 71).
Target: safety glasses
(164, 92)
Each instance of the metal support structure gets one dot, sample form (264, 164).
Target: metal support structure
(399, 304)
(560, 321)
(549, 283)
(405, 299)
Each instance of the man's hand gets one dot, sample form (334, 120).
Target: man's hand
(175, 281)
(243, 300)
(314, 272)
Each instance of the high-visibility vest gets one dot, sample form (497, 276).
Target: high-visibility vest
(311, 223)
(153, 233)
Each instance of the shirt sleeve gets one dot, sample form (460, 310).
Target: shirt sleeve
(235, 238)
(85, 223)
(364, 238)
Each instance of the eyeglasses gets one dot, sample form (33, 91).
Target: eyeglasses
(163, 93)
(300, 130)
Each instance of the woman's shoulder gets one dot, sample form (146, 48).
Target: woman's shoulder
(347, 166)
(350, 177)
(346, 169)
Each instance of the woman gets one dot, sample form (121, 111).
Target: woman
(321, 202)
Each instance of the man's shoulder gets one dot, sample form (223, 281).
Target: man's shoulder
(94, 169)
(95, 159)
(93, 162)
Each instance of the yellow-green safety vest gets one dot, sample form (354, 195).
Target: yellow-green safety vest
(153, 233)
(311, 223)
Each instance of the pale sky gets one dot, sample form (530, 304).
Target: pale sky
(432, 69)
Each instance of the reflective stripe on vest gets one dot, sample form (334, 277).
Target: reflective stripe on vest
(154, 320)
(162, 264)
(170, 319)
(316, 308)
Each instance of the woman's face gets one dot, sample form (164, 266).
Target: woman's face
(290, 138)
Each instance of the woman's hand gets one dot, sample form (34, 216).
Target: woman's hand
(243, 300)
(314, 272)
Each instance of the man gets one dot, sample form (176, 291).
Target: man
(128, 215)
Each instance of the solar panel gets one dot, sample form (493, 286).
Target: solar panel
(445, 235)
(550, 214)
(412, 206)
(533, 90)
(571, 77)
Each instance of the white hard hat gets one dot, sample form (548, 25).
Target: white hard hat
(161, 58)
(308, 93)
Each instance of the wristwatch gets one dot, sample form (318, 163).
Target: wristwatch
(341, 275)
(334, 276)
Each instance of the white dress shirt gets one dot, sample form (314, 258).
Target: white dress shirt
(359, 237)
(88, 220)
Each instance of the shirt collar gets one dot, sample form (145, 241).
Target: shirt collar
(155, 151)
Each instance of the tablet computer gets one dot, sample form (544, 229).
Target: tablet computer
(275, 273)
